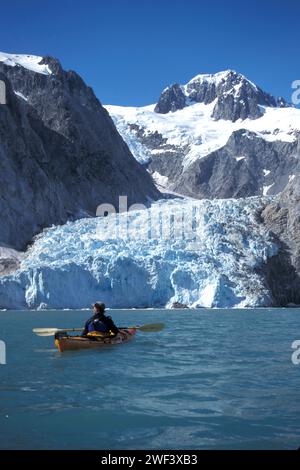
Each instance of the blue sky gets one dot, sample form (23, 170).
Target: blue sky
(129, 50)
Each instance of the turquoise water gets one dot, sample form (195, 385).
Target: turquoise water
(211, 379)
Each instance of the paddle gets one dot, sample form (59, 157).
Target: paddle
(150, 328)
(52, 331)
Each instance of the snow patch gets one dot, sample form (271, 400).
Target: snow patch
(160, 179)
(18, 93)
(30, 62)
(266, 189)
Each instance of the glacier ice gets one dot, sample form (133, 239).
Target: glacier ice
(200, 253)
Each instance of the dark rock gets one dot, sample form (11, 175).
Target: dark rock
(281, 102)
(178, 305)
(282, 217)
(235, 170)
(60, 154)
(171, 99)
(9, 260)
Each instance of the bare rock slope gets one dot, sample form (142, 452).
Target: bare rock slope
(60, 153)
(282, 217)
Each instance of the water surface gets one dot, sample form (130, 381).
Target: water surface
(213, 379)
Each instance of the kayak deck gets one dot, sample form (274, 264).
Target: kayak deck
(65, 342)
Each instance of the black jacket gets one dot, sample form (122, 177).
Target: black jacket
(100, 322)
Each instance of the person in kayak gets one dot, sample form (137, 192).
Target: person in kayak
(100, 324)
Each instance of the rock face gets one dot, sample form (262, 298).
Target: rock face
(10, 260)
(283, 271)
(235, 96)
(171, 99)
(246, 166)
(60, 153)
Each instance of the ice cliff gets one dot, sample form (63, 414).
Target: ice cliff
(201, 253)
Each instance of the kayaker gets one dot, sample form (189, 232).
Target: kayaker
(100, 324)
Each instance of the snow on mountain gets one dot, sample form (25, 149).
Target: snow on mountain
(214, 137)
(216, 79)
(201, 253)
(236, 97)
(29, 62)
(194, 131)
(20, 95)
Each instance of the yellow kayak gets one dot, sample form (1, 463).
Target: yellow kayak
(65, 342)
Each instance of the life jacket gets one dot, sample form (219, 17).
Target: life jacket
(100, 325)
(97, 325)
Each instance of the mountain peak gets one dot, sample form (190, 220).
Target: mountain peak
(215, 77)
(221, 77)
(234, 95)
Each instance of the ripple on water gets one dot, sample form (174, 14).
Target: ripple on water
(224, 381)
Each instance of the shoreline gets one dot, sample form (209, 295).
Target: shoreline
(153, 308)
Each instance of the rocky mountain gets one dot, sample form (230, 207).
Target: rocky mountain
(60, 153)
(233, 95)
(218, 136)
(282, 217)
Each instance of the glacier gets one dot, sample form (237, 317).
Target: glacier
(204, 253)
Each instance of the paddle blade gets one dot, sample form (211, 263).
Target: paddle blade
(152, 328)
(45, 331)
(52, 331)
